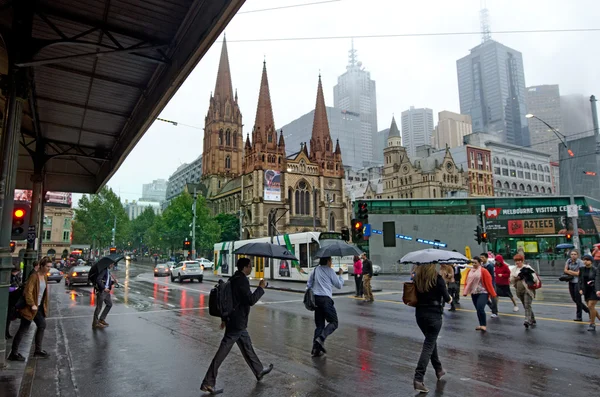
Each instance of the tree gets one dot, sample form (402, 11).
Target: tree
(230, 227)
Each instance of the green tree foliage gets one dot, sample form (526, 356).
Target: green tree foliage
(230, 227)
(140, 227)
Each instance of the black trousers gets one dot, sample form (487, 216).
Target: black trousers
(102, 298)
(358, 281)
(576, 296)
(40, 322)
(325, 311)
(429, 321)
(231, 337)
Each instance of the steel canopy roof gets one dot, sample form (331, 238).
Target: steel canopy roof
(101, 73)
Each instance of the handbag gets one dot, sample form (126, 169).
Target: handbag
(566, 277)
(309, 297)
(409, 295)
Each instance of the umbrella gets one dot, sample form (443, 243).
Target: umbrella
(565, 245)
(266, 250)
(106, 261)
(432, 255)
(336, 248)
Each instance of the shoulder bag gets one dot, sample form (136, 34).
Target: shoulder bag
(409, 295)
(309, 296)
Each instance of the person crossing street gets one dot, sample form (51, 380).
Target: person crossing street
(367, 276)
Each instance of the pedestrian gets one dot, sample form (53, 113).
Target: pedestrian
(502, 272)
(322, 280)
(487, 261)
(479, 285)
(15, 291)
(358, 276)
(572, 267)
(447, 273)
(588, 288)
(35, 296)
(431, 295)
(596, 254)
(518, 278)
(103, 287)
(455, 292)
(236, 327)
(367, 276)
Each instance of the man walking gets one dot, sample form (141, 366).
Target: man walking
(235, 327)
(103, 286)
(367, 276)
(572, 267)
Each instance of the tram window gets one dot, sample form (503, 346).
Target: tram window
(303, 255)
(314, 247)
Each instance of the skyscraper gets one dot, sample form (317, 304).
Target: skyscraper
(576, 114)
(355, 92)
(491, 86)
(417, 126)
(451, 129)
(543, 101)
(155, 191)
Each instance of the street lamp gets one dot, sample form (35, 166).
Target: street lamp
(563, 140)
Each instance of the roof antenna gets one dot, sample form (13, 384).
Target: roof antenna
(484, 21)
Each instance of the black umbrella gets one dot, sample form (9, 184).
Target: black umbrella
(266, 250)
(106, 261)
(337, 248)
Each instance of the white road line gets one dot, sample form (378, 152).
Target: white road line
(131, 313)
(172, 286)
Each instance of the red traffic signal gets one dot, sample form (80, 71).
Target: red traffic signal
(569, 236)
(13, 245)
(358, 225)
(590, 173)
(112, 250)
(20, 220)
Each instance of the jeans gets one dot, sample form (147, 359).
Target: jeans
(102, 298)
(526, 300)
(231, 337)
(576, 296)
(480, 300)
(325, 311)
(430, 322)
(40, 322)
(358, 280)
(367, 287)
(493, 304)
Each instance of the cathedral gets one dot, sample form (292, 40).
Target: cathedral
(277, 194)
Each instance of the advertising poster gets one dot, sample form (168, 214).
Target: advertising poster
(53, 198)
(528, 246)
(272, 190)
(531, 226)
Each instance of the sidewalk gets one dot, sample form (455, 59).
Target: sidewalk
(11, 376)
(296, 286)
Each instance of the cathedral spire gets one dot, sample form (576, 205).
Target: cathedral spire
(321, 139)
(264, 123)
(394, 131)
(223, 87)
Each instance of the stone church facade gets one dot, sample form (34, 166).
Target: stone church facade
(276, 194)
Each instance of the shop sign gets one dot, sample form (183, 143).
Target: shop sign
(492, 213)
(531, 226)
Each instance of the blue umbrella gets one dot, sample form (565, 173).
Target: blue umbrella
(565, 246)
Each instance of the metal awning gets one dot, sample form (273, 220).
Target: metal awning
(101, 72)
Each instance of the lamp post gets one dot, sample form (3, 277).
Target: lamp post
(563, 140)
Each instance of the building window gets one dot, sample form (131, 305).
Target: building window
(498, 184)
(511, 163)
(479, 157)
(505, 171)
(547, 178)
(47, 235)
(504, 162)
(533, 167)
(66, 235)
(497, 170)
(541, 177)
(496, 160)
(506, 186)
(228, 138)
(528, 175)
(526, 166)
(528, 188)
(536, 189)
(543, 189)
(270, 138)
(47, 221)
(546, 169)
(513, 173)
(519, 164)
(220, 137)
(227, 162)
(235, 139)
(514, 186)
(520, 174)
(302, 199)
(534, 177)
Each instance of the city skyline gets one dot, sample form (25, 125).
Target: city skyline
(420, 79)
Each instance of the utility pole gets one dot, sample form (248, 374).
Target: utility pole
(597, 135)
(241, 208)
(194, 225)
(114, 231)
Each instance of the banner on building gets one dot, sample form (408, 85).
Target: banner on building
(53, 198)
(531, 226)
(272, 191)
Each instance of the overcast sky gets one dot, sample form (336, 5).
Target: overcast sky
(419, 71)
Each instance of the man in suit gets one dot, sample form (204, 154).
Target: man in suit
(235, 327)
(104, 284)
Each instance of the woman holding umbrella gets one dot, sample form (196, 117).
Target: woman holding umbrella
(479, 285)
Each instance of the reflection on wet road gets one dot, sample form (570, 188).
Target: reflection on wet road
(161, 340)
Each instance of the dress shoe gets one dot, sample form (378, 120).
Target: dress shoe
(98, 326)
(41, 354)
(103, 323)
(439, 374)
(578, 320)
(420, 387)
(16, 357)
(321, 344)
(316, 352)
(264, 372)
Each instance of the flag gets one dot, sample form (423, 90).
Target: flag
(290, 247)
(220, 261)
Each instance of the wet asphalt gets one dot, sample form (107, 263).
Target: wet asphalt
(161, 340)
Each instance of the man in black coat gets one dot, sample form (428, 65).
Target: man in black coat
(235, 327)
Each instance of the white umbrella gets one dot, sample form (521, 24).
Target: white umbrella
(432, 255)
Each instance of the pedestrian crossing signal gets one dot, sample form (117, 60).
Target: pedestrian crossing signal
(13, 245)
(569, 237)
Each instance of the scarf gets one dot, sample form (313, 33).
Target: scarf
(473, 279)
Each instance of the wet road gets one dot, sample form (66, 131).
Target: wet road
(161, 340)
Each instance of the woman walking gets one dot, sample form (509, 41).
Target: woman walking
(479, 285)
(358, 278)
(588, 288)
(518, 278)
(431, 295)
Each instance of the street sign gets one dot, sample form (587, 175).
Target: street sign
(31, 237)
(31, 228)
(572, 210)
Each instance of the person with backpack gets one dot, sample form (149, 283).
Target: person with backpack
(15, 291)
(525, 281)
(235, 323)
(102, 285)
(431, 295)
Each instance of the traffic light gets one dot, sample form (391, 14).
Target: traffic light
(112, 250)
(569, 237)
(363, 212)
(13, 245)
(357, 231)
(478, 234)
(345, 235)
(20, 221)
(187, 245)
(484, 237)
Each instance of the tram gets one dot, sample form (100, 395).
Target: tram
(302, 245)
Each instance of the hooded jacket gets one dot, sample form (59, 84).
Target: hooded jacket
(31, 292)
(502, 271)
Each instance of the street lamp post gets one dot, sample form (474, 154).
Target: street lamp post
(563, 140)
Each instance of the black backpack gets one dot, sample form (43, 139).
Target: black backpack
(93, 274)
(220, 300)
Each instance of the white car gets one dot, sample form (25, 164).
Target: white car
(187, 270)
(206, 263)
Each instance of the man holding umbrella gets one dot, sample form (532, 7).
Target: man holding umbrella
(103, 285)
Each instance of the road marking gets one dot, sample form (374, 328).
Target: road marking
(131, 313)
(173, 286)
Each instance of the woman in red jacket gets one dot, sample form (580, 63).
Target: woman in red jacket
(479, 285)
(503, 281)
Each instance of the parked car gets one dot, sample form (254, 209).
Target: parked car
(206, 263)
(189, 270)
(77, 275)
(55, 275)
(162, 270)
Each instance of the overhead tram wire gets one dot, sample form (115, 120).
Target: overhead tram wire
(289, 6)
(392, 35)
(177, 123)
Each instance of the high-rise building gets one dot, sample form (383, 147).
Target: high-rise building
(451, 129)
(379, 143)
(355, 92)
(543, 101)
(343, 125)
(576, 114)
(491, 86)
(155, 191)
(417, 127)
(577, 172)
